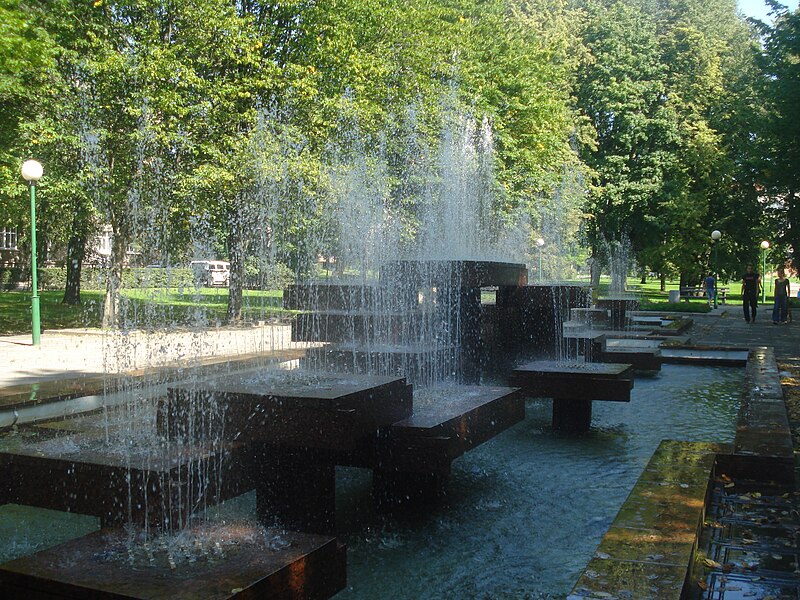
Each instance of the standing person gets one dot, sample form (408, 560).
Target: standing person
(780, 309)
(711, 289)
(751, 282)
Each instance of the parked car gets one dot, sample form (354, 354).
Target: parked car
(211, 272)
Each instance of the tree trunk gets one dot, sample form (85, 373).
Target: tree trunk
(111, 303)
(594, 270)
(76, 251)
(663, 278)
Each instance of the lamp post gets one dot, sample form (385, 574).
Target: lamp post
(715, 237)
(32, 172)
(764, 248)
(540, 244)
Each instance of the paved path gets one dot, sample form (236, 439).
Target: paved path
(76, 353)
(726, 327)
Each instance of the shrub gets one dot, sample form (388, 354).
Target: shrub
(10, 277)
(52, 278)
(261, 276)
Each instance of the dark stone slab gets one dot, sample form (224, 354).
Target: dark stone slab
(589, 344)
(642, 360)
(413, 460)
(705, 355)
(618, 308)
(323, 296)
(453, 273)
(763, 449)
(448, 423)
(419, 364)
(590, 316)
(81, 473)
(533, 316)
(575, 380)
(357, 327)
(291, 408)
(242, 562)
(299, 423)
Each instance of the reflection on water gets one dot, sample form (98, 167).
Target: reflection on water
(527, 509)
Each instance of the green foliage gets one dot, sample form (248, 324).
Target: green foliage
(665, 87)
(781, 133)
(212, 126)
(92, 278)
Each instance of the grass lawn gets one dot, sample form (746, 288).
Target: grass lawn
(141, 308)
(147, 307)
(652, 298)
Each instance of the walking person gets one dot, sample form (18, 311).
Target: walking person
(780, 309)
(751, 284)
(710, 283)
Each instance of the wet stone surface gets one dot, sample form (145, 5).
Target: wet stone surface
(751, 548)
(240, 561)
(648, 550)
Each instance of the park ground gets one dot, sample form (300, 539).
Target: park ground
(203, 307)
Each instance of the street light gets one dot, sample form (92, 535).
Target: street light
(764, 248)
(715, 237)
(540, 244)
(32, 172)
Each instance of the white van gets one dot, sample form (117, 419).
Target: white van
(211, 272)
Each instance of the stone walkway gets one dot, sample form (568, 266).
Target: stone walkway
(68, 354)
(726, 326)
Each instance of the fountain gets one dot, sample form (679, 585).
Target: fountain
(404, 361)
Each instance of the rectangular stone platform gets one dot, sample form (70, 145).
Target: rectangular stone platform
(575, 380)
(573, 386)
(763, 449)
(589, 344)
(705, 355)
(454, 273)
(292, 408)
(321, 295)
(298, 423)
(81, 473)
(244, 563)
(642, 359)
(618, 308)
(590, 316)
(648, 552)
(457, 420)
(417, 364)
(414, 459)
(533, 316)
(357, 327)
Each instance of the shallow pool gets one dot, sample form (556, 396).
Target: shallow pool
(526, 510)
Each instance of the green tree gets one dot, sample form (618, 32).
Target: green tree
(781, 135)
